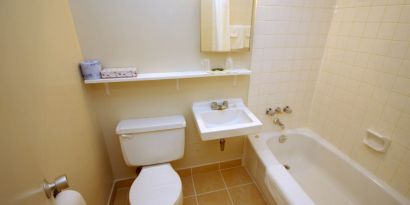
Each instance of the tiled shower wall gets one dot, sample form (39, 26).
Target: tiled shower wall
(289, 40)
(364, 82)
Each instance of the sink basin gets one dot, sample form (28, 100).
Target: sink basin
(234, 121)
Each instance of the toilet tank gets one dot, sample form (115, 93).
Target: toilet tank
(149, 141)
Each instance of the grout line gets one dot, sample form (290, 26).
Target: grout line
(229, 168)
(206, 164)
(241, 185)
(257, 186)
(193, 184)
(226, 187)
(210, 192)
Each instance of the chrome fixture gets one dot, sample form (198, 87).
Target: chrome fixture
(278, 110)
(282, 139)
(271, 112)
(279, 123)
(215, 106)
(55, 187)
(287, 110)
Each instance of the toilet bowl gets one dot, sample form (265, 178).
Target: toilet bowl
(157, 184)
(152, 143)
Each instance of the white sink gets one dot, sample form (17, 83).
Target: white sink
(234, 121)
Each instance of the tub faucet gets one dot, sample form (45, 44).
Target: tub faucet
(279, 123)
(215, 106)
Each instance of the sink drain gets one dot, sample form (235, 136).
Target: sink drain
(286, 166)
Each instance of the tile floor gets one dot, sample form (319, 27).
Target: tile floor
(231, 186)
(212, 186)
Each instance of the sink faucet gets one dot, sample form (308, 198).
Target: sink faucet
(279, 123)
(215, 106)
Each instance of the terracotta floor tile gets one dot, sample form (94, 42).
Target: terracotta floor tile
(246, 195)
(215, 198)
(121, 197)
(187, 186)
(184, 172)
(208, 181)
(205, 168)
(190, 201)
(231, 163)
(236, 176)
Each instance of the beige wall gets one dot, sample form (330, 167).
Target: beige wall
(364, 83)
(160, 98)
(155, 36)
(288, 45)
(47, 127)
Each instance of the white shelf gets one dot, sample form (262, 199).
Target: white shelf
(172, 75)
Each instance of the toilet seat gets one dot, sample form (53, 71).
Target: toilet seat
(157, 184)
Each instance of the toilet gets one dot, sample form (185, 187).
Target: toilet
(153, 143)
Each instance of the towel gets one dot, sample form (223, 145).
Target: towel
(240, 36)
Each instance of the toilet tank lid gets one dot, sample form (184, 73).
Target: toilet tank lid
(133, 126)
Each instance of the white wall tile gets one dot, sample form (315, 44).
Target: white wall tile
(377, 57)
(292, 37)
(363, 81)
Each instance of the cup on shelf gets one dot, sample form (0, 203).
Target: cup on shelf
(91, 69)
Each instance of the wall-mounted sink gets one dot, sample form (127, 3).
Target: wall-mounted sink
(236, 120)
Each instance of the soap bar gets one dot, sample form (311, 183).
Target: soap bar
(119, 72)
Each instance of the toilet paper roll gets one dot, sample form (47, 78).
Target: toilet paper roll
(69, 197)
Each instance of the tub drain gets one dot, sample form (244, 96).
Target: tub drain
(286, 166)
(282, 139)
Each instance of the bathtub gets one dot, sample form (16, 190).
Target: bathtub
(302, 168)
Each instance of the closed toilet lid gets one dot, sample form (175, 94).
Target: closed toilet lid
(158, 184)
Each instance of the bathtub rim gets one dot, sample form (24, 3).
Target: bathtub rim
(269, 160)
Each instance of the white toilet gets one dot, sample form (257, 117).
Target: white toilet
(153, 143)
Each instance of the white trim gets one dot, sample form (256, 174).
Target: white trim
(172, 75)
(111, 193)
(113, 185)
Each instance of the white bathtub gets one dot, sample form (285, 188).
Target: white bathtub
(318, 172)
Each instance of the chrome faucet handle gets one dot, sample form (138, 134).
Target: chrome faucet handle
(278, 110)
(214, 106)
(224, 105)
(287, 109)
(268, 111)
(271, 112)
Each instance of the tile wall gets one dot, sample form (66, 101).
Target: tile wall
(364, 83)
(289, 40)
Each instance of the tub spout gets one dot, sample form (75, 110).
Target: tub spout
(279, 123)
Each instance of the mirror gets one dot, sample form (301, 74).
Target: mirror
(226, 25)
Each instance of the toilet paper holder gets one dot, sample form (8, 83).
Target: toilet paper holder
(53, 188)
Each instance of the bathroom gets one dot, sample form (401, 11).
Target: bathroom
(317, 93)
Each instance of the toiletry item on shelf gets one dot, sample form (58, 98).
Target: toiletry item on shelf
(119, 72)
(206, 64)
(218, 71)
(91, 69)
(229, 63)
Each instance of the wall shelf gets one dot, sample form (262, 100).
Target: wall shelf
(172, 75)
